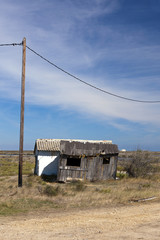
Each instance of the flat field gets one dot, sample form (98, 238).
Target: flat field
(127, 208)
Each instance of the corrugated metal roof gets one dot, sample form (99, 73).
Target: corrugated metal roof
(48, 144)
(54, 144)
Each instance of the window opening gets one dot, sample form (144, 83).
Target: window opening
(75, 162)
(106, 160)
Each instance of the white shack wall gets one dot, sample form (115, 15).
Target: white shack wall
(47, 162)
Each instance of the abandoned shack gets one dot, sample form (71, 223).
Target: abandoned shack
(76, 159)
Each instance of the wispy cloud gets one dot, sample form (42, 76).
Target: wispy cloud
(70, 34)
(57, 89)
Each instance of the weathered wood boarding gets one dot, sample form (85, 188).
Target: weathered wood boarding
(76, 159)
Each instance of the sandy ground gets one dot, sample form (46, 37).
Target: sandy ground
(137, 221)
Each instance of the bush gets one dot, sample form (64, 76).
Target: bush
(51, 191)
(121, 174)
(139, 165)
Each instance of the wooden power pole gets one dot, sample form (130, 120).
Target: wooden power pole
(22, 114)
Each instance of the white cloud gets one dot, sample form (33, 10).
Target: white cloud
(48, 88)
(64, 33)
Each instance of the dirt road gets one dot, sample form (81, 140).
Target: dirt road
(138, 221)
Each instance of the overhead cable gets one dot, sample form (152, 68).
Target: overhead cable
(10, 44)
(80, 80)
(90, 85)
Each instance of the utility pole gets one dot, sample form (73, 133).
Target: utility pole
(22, 114)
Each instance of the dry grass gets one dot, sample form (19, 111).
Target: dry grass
(39, 194)
(9, 163)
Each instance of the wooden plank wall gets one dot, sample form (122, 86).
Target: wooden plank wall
(91, 168)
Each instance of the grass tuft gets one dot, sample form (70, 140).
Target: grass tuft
(78, 186)
(51, 191)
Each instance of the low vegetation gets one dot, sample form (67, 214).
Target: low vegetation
(44, 193)
(140, 164)
(9, 163)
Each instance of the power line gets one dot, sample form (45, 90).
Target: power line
(80, 80)
(90, 85)
(10, 44)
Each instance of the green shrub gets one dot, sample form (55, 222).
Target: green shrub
(121, 175)
(51, 191)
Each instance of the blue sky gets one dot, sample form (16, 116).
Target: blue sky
(113, 44)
